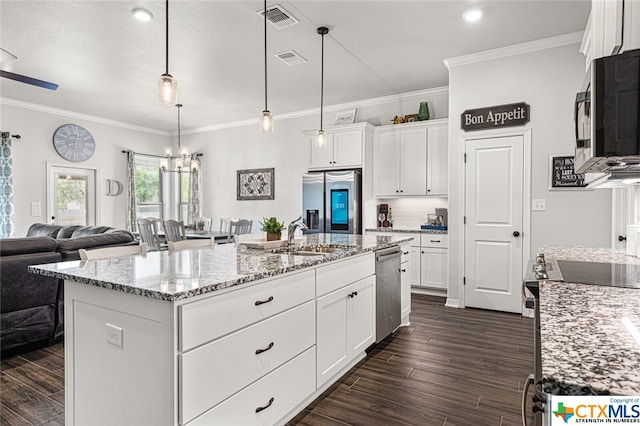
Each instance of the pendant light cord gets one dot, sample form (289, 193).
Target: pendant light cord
(265, 55)
(322, 80)
(167, 38)
(179, 147)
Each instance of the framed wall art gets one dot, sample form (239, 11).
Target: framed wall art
(256, 184)
(562, 173)
(345, 117)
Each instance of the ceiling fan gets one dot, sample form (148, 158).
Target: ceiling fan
(7, 56)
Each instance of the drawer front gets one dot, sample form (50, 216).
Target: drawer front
(416, 238)
(435, 240)
(212, 372)
(208, 319)
(406, 253)
(337, 275)
(280, 392)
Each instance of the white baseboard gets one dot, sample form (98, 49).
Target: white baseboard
(452, 303)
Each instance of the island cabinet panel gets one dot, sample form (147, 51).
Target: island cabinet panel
(207, 319)
(345, 326)
(218, 369)
(338, 274)
(405, 283)
(270, 399)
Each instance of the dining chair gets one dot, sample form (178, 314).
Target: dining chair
(240, 238)
(208, 222)
(148, 230)
(239, 227)
(174, 230)
(187, 244)
(225, 222)
(108, 252)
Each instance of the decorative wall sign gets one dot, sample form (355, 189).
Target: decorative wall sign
(562, 173)
(256, 184)
(114, 187)
(345, 117)
(495, 117)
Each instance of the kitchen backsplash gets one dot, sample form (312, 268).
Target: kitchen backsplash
(412, 212)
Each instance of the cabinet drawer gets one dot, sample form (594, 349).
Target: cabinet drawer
(208, 319)
(435, 240)
(281, 391)
(406, 252)
(336, 275)
(221, 368)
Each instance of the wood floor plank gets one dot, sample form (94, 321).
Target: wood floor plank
(46, 359)
(28, 403)
(30, 374)
(9, 418)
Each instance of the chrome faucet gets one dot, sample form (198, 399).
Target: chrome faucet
(298, 223)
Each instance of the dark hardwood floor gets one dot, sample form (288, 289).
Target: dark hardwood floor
(450, 367)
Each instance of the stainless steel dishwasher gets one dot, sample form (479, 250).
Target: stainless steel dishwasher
(388, 290)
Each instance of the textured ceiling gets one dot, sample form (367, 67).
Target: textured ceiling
(107, 64)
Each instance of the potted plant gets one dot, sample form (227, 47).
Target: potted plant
(272, 227)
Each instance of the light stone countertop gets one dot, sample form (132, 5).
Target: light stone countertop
(587, 331)
(182, 274)
(408, 230)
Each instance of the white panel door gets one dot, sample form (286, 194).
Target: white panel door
(361, 315)
(494, 220)
(413, 162)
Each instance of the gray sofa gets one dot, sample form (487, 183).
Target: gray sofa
(32, 305)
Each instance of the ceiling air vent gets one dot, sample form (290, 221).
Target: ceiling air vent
(290, 58)
(279, 17)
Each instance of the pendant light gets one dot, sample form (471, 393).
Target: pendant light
(167, 85)
(266, 121)
(321, 140)
(183, 154)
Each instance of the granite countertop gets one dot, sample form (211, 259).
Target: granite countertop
(590, 334)
(182, 274)
(411, 230)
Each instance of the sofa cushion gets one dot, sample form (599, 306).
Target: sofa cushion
(69, 248)
(90, 230)
(43, 230)
(67, 231)
(26, 326)
(26, 245)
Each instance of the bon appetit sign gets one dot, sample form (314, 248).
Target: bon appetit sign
(495, 117)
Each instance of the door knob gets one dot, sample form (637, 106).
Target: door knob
(516, 234)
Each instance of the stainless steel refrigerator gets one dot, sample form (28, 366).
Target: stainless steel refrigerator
(332, 202)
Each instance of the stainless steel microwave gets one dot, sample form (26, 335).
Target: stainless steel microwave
(607, 117)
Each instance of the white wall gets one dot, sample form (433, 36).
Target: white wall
(548, 81)
(35, 149)
(225, 151)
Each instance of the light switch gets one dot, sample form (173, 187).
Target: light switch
(36, 209)
(539, 205)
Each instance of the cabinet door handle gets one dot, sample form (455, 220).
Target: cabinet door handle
(406, 252)
(422, 251)
(259, 351)
(403, 270)
(435, 241)
(401, 190)
(621, 238)
(428, 190)
(266, 406)
(352, 294)
(355, 293)
(262, 302)
(397, 191)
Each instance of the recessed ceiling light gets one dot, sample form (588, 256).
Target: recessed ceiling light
(472, 15)
(142, 14)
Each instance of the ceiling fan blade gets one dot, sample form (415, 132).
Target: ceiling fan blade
(28, 80)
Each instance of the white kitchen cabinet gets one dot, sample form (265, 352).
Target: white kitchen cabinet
(434, 261)
(405, 283)
(345, 326)
(411, 159)
(345, 147)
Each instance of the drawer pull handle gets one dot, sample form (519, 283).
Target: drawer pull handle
(403, 270)
(262, 302)
(406, 252)
(435, 241)
(266, 406)
(259, 351)
(353, 294)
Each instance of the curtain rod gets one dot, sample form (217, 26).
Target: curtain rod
(126, 151)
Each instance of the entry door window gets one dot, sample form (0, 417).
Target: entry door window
(73, 196)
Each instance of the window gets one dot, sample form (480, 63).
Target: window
(149, 199)
(71, 197)
(184, 196)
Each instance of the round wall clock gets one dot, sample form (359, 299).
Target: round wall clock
(73, 142)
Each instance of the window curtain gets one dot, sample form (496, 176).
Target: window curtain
(131, 191)
(6, 189)
(194, 211)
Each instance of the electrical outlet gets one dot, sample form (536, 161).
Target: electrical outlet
(114, 334)
(539, 205)
(36, 209)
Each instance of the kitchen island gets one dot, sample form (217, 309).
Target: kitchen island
(590, 334)
(218, 335)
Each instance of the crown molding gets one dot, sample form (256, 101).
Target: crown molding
(516, 49)
(444, 90)
(79, 116)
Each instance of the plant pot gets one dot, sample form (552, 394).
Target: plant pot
(272, 236)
